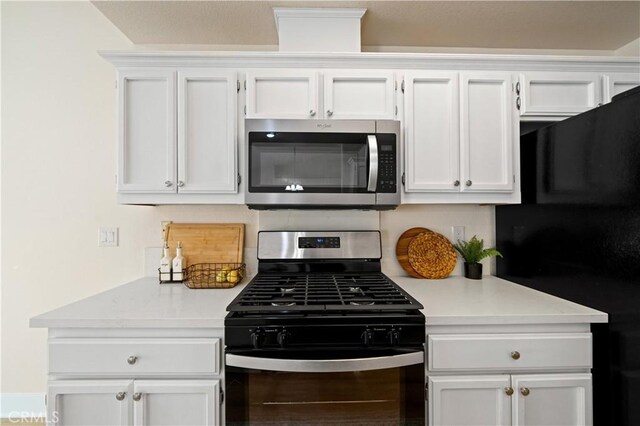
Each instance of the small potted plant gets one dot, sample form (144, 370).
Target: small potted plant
(473, 252)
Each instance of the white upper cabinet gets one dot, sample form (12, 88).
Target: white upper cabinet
(614, 84)
(207, 114)
(460, 134)
(282, 93)
(486, 128)
(359, 94)
(146, 131)
(559, 94)
(432, 131)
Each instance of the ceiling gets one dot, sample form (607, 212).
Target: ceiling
(583, 25)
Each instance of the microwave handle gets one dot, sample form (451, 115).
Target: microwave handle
(373, 163)
(324, 365)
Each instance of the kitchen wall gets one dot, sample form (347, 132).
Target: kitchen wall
(58, 163)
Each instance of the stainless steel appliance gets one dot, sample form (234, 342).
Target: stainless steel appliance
(321, 336)
(337, 164)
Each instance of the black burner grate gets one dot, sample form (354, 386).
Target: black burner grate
(313, 292)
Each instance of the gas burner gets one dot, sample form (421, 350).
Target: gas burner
(285, 291)
(356, 290)
(362, 303)
(283, 303)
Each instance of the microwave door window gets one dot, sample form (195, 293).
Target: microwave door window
(316, 167)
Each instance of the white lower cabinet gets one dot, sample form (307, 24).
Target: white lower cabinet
(133, 402)
(518, 400)
(89, 402)
(469, 400)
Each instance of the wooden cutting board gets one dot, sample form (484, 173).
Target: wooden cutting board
(402, 249)
(207, 242)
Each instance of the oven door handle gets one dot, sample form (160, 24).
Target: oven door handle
(373, 163)
(324, 365)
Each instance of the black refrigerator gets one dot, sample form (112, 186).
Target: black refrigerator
(576, 235)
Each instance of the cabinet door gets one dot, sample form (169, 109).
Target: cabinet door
(359, 94)
(614, 84)
(176, 402)
(89, 402)
(207, 102)
(487, 121)
(432, 132)
(469, 401)
(552, 399)
(282, 94)
(147, 131)
(558, 93)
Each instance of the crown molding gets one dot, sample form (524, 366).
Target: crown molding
(372, 60)
(313, 13)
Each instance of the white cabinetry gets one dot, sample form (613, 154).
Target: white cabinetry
(134, 381)
(460, 132)
(545, 95)
(286, 93)
(614, 84)
(89, 402)
(177, 135)
(297, 94)
(146, 131)
(498, 378)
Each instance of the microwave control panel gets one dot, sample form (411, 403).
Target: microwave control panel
(387, 163)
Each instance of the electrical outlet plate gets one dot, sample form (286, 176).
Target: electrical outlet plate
(108, 236)
(457, 232)
(164, 225)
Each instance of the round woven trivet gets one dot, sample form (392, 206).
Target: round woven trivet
(432, 255)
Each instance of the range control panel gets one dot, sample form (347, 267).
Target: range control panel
(319, 242)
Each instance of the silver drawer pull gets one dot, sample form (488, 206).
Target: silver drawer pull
(137, 396)
(507, 390)
(515, 355)
(132, 359)
(525, 391)
(120, 396)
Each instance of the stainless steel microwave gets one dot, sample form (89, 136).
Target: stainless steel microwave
(322, 164)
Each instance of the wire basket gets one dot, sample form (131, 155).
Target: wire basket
(214, 275)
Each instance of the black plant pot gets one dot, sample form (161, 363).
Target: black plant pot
(473, 271)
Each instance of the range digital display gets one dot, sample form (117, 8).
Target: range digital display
(319, 242)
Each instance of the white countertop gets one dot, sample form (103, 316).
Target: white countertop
(456, 300)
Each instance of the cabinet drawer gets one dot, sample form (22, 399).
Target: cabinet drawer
(509, 351)
(134, 357)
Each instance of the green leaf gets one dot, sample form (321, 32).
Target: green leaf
(473, 251)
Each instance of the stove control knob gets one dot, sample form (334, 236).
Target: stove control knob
(257, 337)
(283, 338)
(393, 336)
(367, 337)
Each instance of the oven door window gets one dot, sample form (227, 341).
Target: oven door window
(311, 162)
(393, 396)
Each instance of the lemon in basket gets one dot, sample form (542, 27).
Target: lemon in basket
(233, 276)
(221, 277)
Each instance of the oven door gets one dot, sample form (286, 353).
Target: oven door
(306, 167)
(384, 387)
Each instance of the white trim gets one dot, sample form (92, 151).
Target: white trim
(443, 61)
(316, 12)
(22, 405)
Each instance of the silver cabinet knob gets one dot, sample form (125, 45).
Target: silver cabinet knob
(329, 112)
(180, 184)
(168, 183)
(132, 359)
(456, 183)
(137, 396)
(525, 391)
(120, 396)
(312, 113)
(515, 355)
(468, 183)
(508, 390)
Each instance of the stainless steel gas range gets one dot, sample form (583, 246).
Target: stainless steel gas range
(322, 336)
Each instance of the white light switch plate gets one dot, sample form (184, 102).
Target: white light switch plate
(108, 237)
